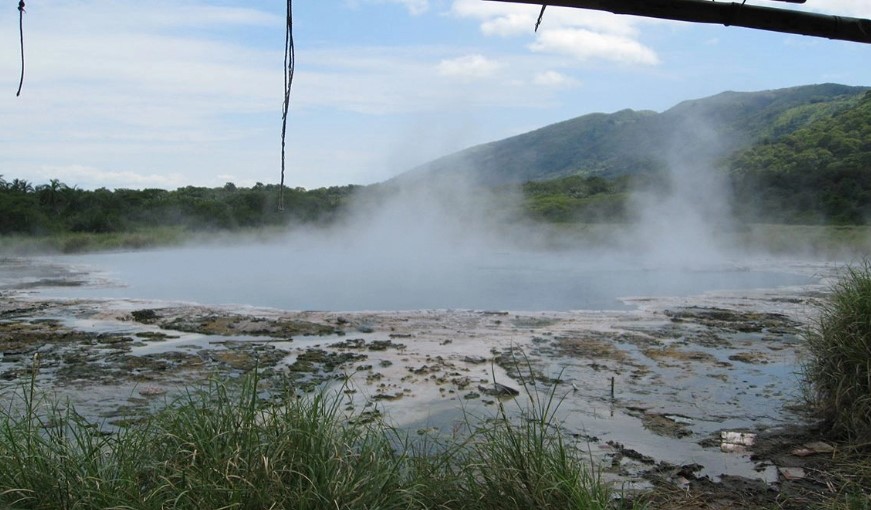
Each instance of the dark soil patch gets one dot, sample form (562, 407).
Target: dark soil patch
(231, 324)
(732, 320)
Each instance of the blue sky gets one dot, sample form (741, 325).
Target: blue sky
(136, 94)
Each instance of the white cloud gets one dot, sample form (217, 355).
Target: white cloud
(584, 35)
(514, 19)
(554, 79)
(386, 81)
(415, 7)
(585, 45)
(468, 66)
(89, 177)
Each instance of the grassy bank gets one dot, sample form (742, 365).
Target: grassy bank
(82, 242)
(824, 242)
(837, 384)
(819, 241)
(144, 238)
(831, 242)
(225, 447)
(838, 369)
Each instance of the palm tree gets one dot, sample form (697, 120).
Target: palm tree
(51, 193)
(20, 185)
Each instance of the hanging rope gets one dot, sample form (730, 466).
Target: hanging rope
(21, 34)
(540, 16)
(288, 81)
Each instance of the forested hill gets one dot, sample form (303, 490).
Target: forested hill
(628, 142)
(821, 172)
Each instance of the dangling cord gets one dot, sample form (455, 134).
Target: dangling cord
(540, 16)
(21, 33)
(288, 81)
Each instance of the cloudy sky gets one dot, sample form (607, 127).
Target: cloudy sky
(136, 94)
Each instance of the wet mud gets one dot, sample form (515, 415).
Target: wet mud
(653, 393)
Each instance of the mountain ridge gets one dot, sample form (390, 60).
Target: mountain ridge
(628, 141)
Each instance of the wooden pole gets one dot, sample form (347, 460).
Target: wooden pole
(728, 14)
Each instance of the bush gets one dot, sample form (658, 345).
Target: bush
(838, 371)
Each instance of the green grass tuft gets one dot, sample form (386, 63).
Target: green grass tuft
(838, 372)
(224, 446)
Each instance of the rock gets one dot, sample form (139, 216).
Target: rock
(151, 391)
(499, 390)
(791, 473)
(813, 448)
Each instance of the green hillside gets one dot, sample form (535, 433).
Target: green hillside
(820, 173)
(629, 142)
(810, 165)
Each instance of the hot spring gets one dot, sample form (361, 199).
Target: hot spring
(311, 277)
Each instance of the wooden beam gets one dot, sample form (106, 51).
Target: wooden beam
(729, 13)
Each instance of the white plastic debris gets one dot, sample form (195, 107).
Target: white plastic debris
(736, 442)
(740, 438)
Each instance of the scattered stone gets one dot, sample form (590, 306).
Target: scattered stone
(750, 357)
(791, 473)
(146, 316)
(151, 391)
(383, 345)
(388, 396)
(665, 425)
(499, 390)
(629, 453)
(813, 448)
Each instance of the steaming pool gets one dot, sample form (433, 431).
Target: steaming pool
(693, 350)
(297, 278)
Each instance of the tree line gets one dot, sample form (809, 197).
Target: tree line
(55, 207)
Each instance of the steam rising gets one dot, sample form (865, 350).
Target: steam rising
(444, 242)
(684, 225)
(436, 219)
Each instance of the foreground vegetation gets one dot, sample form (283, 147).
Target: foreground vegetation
(225, 447)
(838, 370)
(837, 384)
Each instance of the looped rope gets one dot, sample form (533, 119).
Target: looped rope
(288, 81)
(21, 34)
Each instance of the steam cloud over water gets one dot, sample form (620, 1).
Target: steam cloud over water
(425, 242)
(683, 224)
(444, 243)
